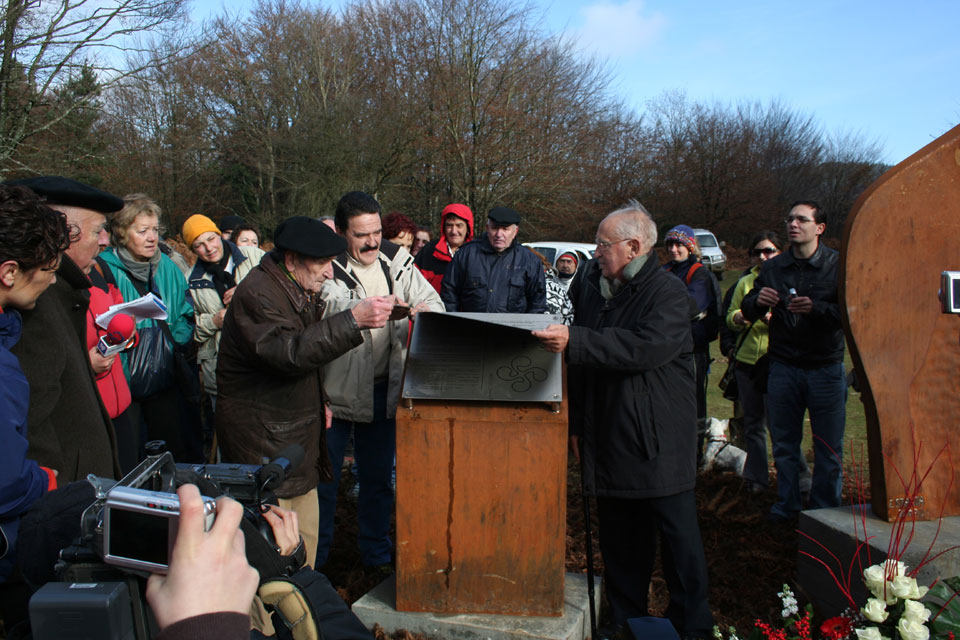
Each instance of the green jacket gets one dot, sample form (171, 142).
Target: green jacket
(169, 284)
(754, 345)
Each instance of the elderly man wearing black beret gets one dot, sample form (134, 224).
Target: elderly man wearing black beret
(272, 348)
(70, 427)
(495, 273)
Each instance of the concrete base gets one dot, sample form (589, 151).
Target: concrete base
(378, 607)
(839, 530)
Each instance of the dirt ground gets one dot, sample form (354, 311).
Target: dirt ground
(748, 558)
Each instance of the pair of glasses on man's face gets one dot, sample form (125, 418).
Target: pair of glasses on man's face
(800, 219)
(767, 251)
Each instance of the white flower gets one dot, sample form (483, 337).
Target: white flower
(789, 602)
(875, 610)
(905, 587)
(733, 634)
(912, 630)
(716, 633)
(874, 578)
(870, 633)
(913, 610)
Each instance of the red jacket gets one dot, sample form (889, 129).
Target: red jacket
(112, 384)
(433, 259)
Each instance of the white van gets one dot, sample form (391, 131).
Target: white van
(711, 252)
(553, 250)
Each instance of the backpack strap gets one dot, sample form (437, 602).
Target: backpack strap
(692, 270)
(310, 608)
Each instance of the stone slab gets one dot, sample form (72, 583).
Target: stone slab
(379, 607)
(840, 528)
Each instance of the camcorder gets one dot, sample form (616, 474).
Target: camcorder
(129, 531)
(950, 292)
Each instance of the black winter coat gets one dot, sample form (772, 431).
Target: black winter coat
(480, 280)
(631, 382)
(808, 340)
(69, 428)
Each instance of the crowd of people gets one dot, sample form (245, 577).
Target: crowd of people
(305, 343)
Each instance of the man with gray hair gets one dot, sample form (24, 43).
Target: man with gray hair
(633, 421)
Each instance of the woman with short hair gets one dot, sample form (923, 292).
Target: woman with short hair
(32, 239)
(139, 267)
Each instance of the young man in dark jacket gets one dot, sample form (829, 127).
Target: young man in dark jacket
(633, 416)
(799, 287)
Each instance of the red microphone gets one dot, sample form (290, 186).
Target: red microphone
(119, 330)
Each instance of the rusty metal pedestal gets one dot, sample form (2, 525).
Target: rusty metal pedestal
(481, 507)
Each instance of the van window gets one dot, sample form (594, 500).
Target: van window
(548, 252)
(706, 240)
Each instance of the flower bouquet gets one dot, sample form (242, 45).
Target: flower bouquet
(894, 610)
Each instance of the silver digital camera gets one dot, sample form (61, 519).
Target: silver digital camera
(140, 527)
(950, 292)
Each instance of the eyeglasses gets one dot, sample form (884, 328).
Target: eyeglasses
(767, 251)
(606, 245)
(800, 219)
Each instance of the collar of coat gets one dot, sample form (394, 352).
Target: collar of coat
(610, 288)
(343, 272)
(197, 273)
(69, 272)
(10, 326)
(272, 267)
(816, 260)
(486, 247)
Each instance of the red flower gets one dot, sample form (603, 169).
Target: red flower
(769, 632)
(837, 628)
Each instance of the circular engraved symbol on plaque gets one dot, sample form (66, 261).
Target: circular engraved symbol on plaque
(521, 374)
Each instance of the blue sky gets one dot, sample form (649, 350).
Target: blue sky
(888, 70)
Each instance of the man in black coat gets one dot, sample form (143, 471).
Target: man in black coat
(495, 273)
(633, 417)
(70, 429)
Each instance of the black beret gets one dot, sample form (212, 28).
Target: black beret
(308, 237)
(70, 193)
(504, 215)
(229, 223)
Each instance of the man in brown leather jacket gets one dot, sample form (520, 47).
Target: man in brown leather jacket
(273, 346)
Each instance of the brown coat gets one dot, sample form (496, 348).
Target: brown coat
(270, 395)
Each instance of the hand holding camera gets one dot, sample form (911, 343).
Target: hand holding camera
(208, 570)
(798, 304)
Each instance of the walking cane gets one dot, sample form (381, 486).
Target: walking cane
(589, 542)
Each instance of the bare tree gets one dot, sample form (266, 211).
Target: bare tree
(850, 164)
(45, 45)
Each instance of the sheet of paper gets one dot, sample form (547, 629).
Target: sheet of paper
(143, 308)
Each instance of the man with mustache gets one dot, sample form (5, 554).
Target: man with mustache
(363, 385)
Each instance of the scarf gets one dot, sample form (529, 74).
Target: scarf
(142, 271)
(222, 279)
(609, 288)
